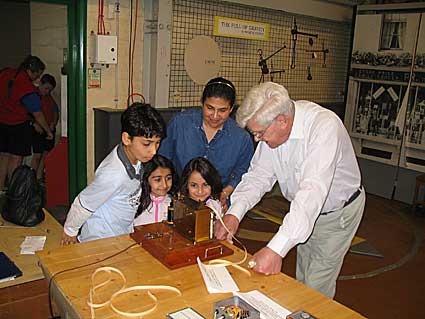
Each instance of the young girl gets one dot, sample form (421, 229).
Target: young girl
(159, 180)
(201, 182)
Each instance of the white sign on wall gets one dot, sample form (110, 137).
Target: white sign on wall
(236, 28)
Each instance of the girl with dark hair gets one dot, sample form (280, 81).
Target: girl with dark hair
(201, 182)
(20, 106)
(211, 133)
(158, 185)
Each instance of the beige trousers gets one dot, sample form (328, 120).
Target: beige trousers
(320, 258)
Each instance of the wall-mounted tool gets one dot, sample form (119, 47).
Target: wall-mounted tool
(309, 76)
(295, 33)
(262, 63)
(323, 50)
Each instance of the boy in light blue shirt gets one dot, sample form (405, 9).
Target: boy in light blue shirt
(107, 206)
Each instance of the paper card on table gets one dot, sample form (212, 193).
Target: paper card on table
(186, 313)
(32, 244)
(268, 308)
(217, 279)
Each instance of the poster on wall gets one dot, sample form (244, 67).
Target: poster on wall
(243, 29)
(94, 78)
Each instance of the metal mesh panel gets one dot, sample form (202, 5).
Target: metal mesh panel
(240, 58)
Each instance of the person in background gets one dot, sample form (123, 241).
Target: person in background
(210, 132)
(40, 145)
(159, 183)
(19, 106)
(307, 150)
(201, 182)
(107, 206)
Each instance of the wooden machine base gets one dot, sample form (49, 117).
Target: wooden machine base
(172, 249)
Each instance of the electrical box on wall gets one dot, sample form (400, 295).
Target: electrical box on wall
(104, 49)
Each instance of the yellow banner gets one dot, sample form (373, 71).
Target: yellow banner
(244, 29)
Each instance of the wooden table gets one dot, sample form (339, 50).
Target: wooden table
(11, 239)
(26, 296)
(70, 289)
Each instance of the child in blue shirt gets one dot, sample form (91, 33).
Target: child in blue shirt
(107, 206)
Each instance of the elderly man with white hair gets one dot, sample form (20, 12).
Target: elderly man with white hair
(307, 150)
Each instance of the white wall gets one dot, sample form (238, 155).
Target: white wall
(105, 96)
(49, 37)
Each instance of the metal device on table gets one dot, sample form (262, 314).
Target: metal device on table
(234, 308)
(300, 314)
(186, 235)
(193, 219)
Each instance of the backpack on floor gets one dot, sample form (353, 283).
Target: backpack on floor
(24, 198)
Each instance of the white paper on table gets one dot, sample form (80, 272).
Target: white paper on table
(186, 313)
(217, 279)
(268, 308)
(32, 244)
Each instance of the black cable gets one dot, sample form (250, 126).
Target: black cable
(49, 291)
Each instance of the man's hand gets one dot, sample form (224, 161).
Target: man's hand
(231, 223)
(266, 261)
(68, 240)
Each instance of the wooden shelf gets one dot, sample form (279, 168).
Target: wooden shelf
(378, 139)
(416, 146)
(385, 68)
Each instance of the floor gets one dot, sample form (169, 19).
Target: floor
(388, 287)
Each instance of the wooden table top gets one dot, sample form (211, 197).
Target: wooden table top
(140, 268)
(11, 239)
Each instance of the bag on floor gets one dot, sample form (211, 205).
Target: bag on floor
(24, 198)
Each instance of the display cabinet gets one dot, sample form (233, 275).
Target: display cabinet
(385, 109)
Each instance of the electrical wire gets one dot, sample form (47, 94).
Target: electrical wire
(49, 291)
(135, 94)
(132, 52)
(117, 31)
(101, 30)
(129, 45)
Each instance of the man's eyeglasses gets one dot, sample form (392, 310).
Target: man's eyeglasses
(258, 135)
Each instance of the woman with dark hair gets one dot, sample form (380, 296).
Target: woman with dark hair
(159, 183)
(19, 105)
(209, 132)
